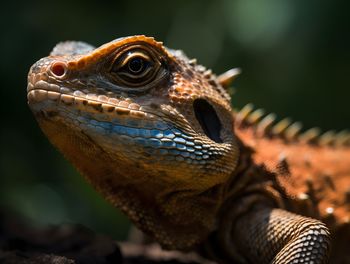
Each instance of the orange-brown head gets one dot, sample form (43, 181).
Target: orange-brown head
(150, 129)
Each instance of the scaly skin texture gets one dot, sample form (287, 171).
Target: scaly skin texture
(155, 134)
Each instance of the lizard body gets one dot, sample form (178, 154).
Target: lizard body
(155, 133)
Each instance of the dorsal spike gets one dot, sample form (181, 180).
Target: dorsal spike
(288, 130)
(342, 138)
(281, 126)
(244, 113)
(226, 78)
(327, 138)
(193, 62)
(265, 124)
(310, 135)
(293, 130)
(200, 68)
(208, 73)
(347, 141)
(254, 117)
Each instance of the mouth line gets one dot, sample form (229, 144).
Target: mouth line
(111, 112)
(37, 95)
(42, 91)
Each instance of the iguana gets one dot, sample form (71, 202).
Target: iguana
(155, 134)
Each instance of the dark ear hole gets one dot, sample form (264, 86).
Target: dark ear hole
(208, 119)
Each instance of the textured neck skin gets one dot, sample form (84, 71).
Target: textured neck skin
(155, 134)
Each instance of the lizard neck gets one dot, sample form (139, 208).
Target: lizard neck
(250, 185)
(177, 217)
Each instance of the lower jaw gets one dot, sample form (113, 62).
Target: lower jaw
(112, 125)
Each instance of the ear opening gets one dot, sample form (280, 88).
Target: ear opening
(208, 119)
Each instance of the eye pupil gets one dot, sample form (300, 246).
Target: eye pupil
(136, 65)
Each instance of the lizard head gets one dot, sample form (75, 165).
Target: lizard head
(149, 128)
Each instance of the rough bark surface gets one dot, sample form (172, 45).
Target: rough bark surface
(23, 243)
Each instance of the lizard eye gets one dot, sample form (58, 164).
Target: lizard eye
(136, 67)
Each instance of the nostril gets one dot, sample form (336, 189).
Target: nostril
(58, 69)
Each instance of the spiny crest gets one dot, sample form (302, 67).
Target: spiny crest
(267, 125)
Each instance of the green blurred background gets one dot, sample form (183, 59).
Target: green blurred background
(295, 57)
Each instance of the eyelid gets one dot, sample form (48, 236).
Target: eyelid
(132, 55)
(155, 72)
(131, 75)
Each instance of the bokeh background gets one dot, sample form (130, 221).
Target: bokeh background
(295, 56)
